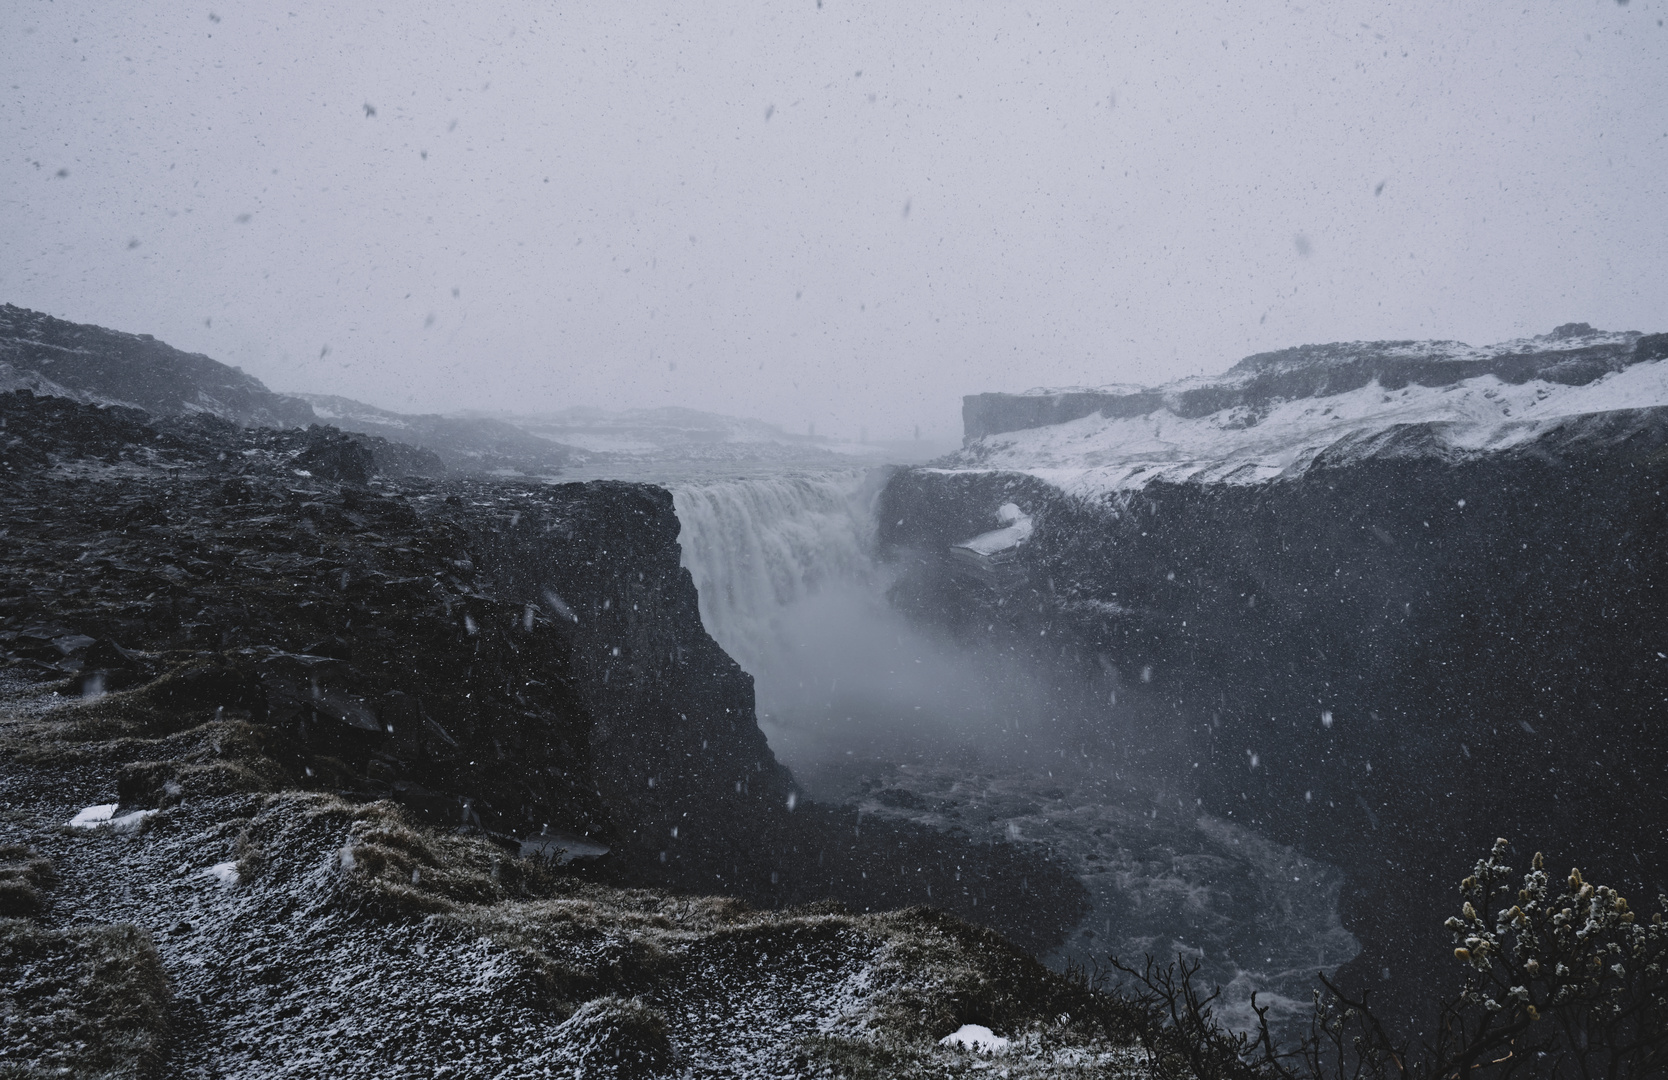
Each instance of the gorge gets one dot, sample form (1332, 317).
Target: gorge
(1246, 669)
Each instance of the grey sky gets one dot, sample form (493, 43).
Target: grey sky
(848, 214)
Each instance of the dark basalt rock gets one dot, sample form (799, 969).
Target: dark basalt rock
(274, 609)
(1386, 661)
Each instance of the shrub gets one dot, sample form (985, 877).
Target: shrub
(1563, 981)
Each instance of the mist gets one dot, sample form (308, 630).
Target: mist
(853, 677)
(792, 586)
(828, 213)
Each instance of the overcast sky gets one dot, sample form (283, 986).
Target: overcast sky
(840, 212)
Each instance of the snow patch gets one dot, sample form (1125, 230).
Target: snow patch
(1016, 529)
(104, 816)
(1096, 455)
(223, 872)
(975, 1037)
(93, 816)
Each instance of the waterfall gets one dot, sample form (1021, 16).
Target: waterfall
(759, 546)
(790, 587)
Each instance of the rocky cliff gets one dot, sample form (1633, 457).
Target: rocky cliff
(1399, 623)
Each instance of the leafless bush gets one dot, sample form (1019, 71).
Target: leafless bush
(1563, 981)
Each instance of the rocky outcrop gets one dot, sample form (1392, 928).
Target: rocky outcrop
(1404, 647)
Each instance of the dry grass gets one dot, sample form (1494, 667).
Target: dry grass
(23, 875)
(87, 1001)
(187, 734)
(619, 1037)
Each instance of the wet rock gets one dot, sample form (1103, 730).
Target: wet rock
(332, 455)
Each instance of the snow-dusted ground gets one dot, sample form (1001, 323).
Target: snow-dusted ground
(1095, 456)
(277, 970)
(292, 947)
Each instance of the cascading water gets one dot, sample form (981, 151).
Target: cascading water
(756, 547)
(868, 707)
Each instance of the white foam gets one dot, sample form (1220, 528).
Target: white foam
(757, 546)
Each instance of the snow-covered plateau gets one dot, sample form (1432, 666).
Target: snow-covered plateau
(1134, 437)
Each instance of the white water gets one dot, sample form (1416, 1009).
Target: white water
(758, 546)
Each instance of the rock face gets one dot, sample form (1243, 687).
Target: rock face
(1386, 650)
(491, 653)
(245, 608)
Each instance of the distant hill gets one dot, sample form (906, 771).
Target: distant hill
(667, 429)
(672, 441)
(464, 443)
(1574, 354)
(95, 366)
